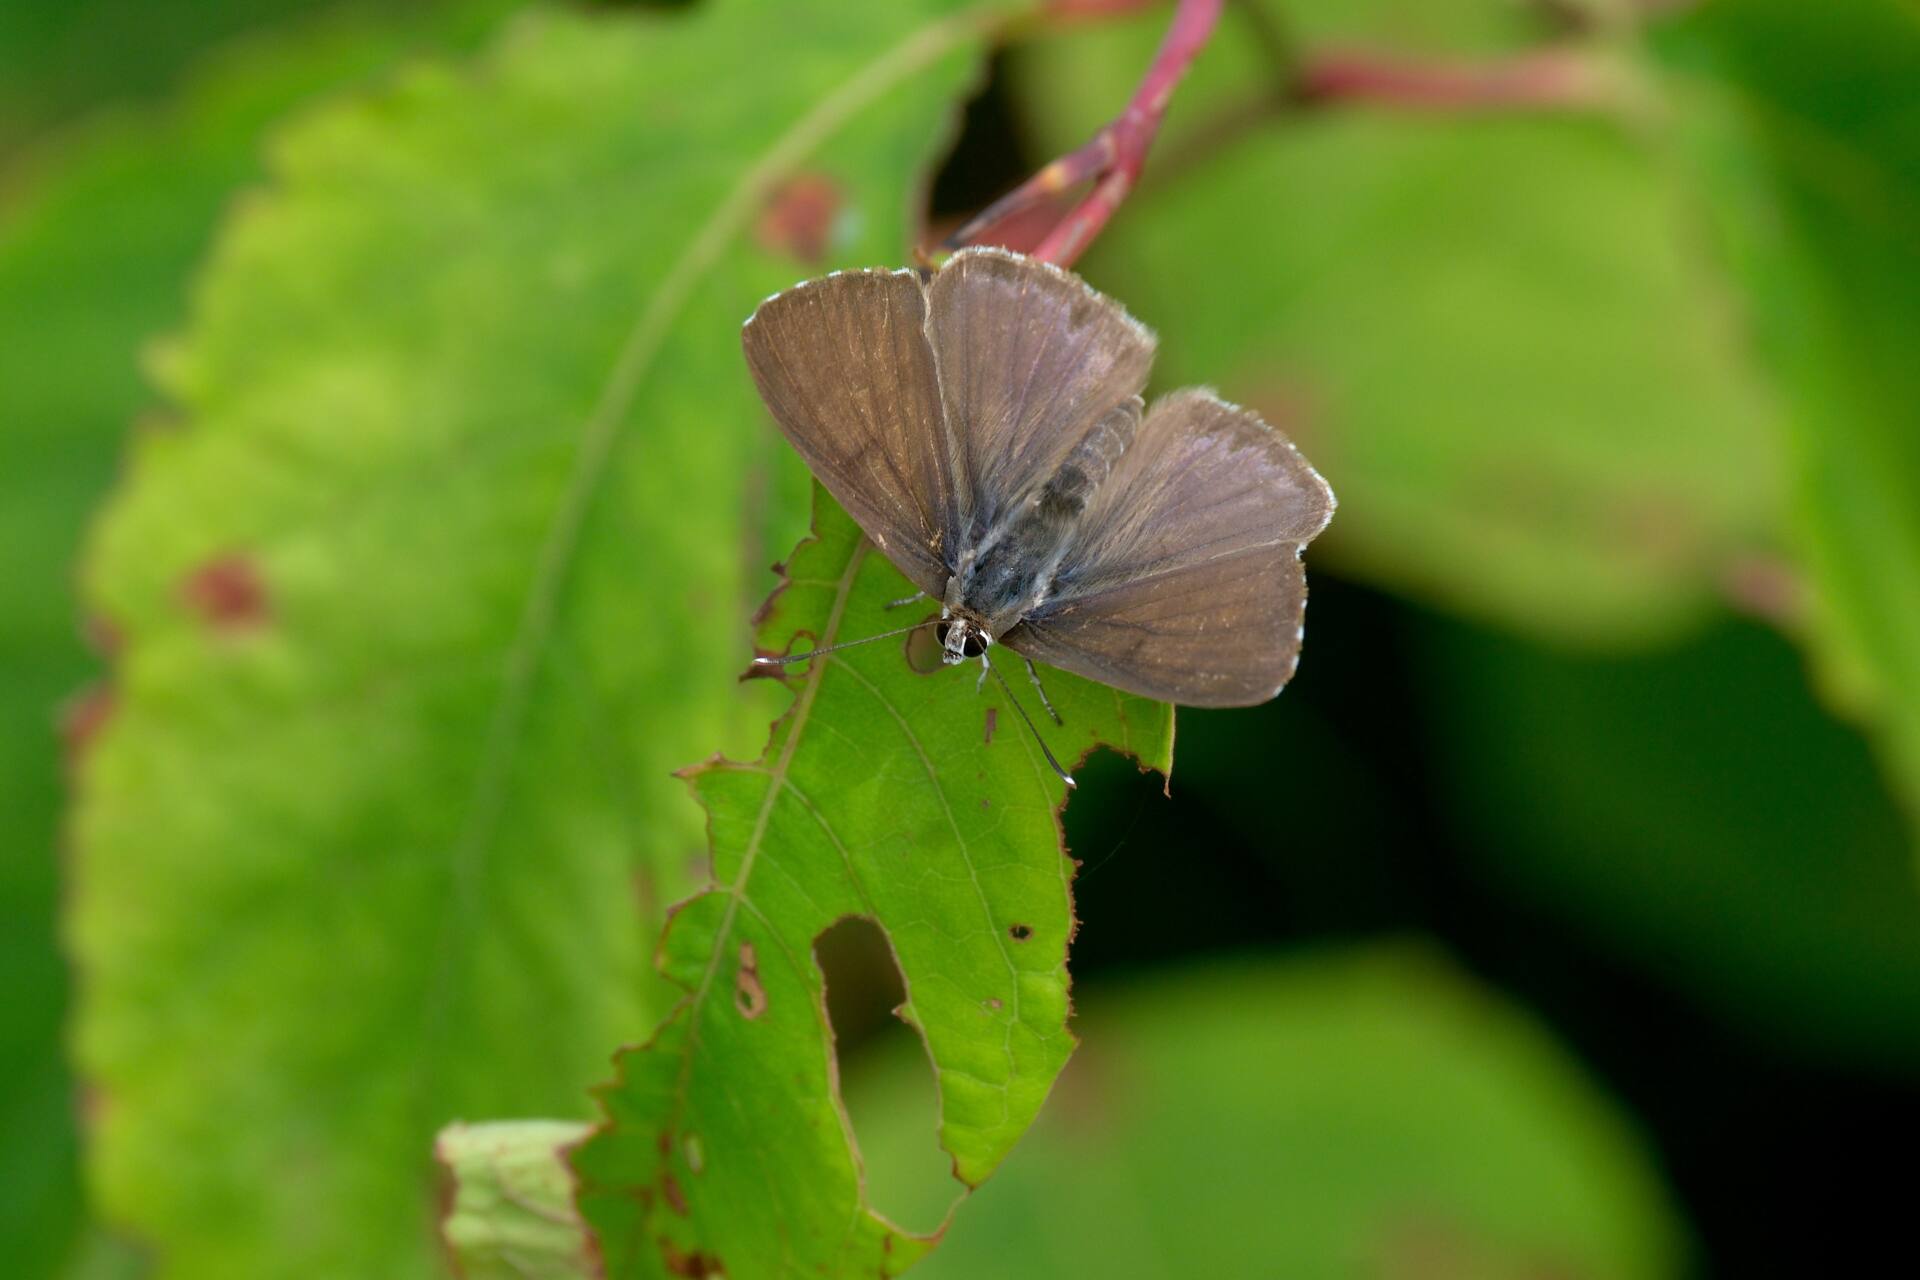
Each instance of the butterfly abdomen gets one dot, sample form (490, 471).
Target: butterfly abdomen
(1015, 571)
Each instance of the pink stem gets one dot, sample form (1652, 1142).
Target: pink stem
(1548, 78)
(1116, 154)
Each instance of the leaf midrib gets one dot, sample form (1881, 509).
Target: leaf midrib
(601, 432)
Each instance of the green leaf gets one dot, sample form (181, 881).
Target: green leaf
(1697, 814)
(888, 793)
(1492, 335)
(1360, 1114)
(512, 1215)
(441, 575)
(1806, 138)
(97, 236)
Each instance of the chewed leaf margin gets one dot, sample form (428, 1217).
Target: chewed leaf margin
(884, 793)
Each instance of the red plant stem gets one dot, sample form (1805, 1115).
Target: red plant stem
(1116, 154)
(1547, 78)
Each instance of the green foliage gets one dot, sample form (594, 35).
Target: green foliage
(96, 241)
(430, 591)
(1491, 332)
(439, 560)
(889, 793)
(1806, 135)
(511, 1214)
(1697, 813)
(1344, 1115)
(61, 57)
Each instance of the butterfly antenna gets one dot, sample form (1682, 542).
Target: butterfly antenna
(783, 659)
(1031, 727)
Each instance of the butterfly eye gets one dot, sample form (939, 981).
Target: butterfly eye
(972, 645)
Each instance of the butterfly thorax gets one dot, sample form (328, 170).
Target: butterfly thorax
(1011, 574)
(1010, 571)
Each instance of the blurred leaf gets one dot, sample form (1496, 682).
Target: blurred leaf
(512, 1216)
(432, 589)
(60, 57)
(1698, 813)
(1367, 1115)
(1806, 133)
(903, 797)
(1490, 334)
(96, 239)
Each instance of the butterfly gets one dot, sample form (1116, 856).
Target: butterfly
(983, 423)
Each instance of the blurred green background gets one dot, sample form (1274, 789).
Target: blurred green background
(1559, 920)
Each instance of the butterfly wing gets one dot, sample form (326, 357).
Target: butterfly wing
(1183, 580)
(1030, 360)
(844, 366)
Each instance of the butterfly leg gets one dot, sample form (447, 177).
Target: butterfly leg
(903, 601)
(1042, 691)
(981, 683)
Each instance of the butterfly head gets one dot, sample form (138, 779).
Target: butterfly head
(961, 639)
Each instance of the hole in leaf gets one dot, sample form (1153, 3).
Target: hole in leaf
(1021, 932)
(749, 994)
(886, 1082)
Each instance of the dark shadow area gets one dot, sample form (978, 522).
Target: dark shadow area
(1330, 814)
(1767, 1150)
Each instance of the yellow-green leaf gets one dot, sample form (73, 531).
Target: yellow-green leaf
(890, 793)
(444, 568)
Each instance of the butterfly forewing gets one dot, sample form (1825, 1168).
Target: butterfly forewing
(982, 425)
(844, 366)
(1183, 580)
(1030, 359)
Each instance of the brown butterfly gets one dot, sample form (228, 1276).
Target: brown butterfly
(983, 424)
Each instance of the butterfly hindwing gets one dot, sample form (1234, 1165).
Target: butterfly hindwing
(1183, 579)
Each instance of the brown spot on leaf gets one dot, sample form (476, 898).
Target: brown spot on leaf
(82, 719)
(101, 635)
(1021, 932)
(1767, 587)
(227, 592)
(694, 1265)
(993, 718)
(798, 217)
(749, 994)
(91, 1105)
(1423, 1246)
(676, 1198)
